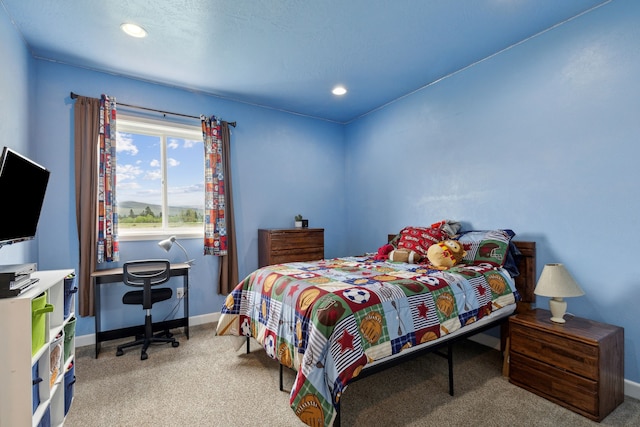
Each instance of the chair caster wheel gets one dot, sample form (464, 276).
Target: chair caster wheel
(119, 352)
(143, 356)
(175, 344)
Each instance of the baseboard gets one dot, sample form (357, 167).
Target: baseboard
(90, 339)
(631, 389)
(486, 340)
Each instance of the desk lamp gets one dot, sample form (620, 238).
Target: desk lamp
(166, 244)
(556, 282)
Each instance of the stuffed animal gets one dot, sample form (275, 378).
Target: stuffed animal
(445, 254)
(405, 255)
(383, 252)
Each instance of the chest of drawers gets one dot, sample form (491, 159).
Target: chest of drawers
(277, 246)
(578, 364)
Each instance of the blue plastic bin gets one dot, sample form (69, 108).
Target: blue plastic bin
(35, 375)
(70, 288)
(45, 421)
(69, 381)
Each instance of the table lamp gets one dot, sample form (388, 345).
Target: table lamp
(556, 282)
(166, 244)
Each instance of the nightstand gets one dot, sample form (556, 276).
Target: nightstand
(278, 246)
(578, 364)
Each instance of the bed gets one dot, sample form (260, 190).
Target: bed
(335, 321)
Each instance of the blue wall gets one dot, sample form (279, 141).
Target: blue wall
(543, 139)
(16, 89)
(281, 164)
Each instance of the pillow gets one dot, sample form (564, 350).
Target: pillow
(486, 247)
(418, 239)
(513, 257)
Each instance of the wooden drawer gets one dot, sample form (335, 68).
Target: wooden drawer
(578, 364)
(279, 246)
(304, 239)
(571, 355)
(296, 255)
(575, 392)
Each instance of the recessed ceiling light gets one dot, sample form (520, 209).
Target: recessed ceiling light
(134, 30)
(339, 90)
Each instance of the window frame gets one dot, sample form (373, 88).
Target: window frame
(128, 123)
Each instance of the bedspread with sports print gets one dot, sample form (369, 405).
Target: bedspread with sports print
(328, 319)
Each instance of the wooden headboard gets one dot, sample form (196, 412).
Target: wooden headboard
(526, 281)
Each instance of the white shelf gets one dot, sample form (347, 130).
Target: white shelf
(16, 360)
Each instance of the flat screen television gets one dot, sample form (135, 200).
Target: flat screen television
(23, 184)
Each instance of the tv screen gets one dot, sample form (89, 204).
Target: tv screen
(23, 183)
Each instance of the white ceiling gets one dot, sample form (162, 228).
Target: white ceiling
(286, 54)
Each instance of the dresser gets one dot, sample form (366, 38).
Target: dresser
(578, 364)
(277, 246)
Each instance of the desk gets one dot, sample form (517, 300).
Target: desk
(114, 275)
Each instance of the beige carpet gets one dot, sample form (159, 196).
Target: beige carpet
(209, 381)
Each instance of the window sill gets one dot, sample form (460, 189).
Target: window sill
(159, 235)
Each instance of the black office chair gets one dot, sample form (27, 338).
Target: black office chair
(146, 275)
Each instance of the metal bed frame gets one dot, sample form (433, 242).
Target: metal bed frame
(525, 283)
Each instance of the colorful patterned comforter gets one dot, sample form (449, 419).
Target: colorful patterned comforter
(328, 319)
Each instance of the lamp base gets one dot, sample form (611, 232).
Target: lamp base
(558, 308)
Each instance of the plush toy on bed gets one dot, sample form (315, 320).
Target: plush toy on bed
(444, 255)
(405, 255)
(383, 252)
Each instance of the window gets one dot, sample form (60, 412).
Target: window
(159, 179)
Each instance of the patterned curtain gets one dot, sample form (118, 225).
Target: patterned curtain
(215, 234)
(107, 213)
(219, 229)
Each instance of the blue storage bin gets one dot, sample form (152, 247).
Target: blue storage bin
(35, 399)
(69, 381)
(45, 421)
(69, 290)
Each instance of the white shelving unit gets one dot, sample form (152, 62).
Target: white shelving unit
(17, 361)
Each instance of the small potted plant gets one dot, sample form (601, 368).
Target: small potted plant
(300, 222)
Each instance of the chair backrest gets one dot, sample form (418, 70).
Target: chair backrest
(152, 271)
(146, 274)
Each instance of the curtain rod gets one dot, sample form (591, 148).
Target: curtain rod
(75, 95)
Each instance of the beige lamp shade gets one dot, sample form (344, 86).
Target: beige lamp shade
(556, 282)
